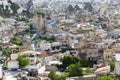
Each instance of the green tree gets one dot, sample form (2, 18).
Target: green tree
(86, 63)
(44, 38)
(91, 20)
(62, 76)
(68, 60)
(52, 38)
(14, 8)
(75, 70)
(7, 11)
(17, 41)
(27, 13)
(6, 52)
(118, 26)
(23, 61)
(40, 12)
(105, 78)
(64, 50)
(37, 40)
(4, 11)
(112, 65)
(88, 70)
(52, 75)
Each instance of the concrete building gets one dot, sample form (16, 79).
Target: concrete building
(1, 72)
(13, 63)
(31, 55)
(117, 64)
(45, 46)
(38, 22)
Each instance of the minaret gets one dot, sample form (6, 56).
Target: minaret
(39, 22)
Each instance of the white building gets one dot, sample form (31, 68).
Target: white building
(14, 56)
(1, 73)
(7, 76)
(74, 44)
(13, 63)
(5, 39)
(117, 64)
(31, 55)
(45, 46)
(54, 63)
(56, 44)
(48, 59)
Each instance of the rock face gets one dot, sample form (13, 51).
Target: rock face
(112, 2)
(86, 4)
(37, 2)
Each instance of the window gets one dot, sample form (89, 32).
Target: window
(31, 60)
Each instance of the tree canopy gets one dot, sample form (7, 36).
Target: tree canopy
(86, 63)
(75, 70)
(53, 76)
(17, 41)
(62, 76)
(50, 39)
(4, 11)
(68, 60)
(23, 61)
(14, 8)
(6, 52)
(112, 65)
(40, 12)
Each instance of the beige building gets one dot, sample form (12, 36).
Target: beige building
(13, 63)
(117, 64)
(38, 21)
(108, 53)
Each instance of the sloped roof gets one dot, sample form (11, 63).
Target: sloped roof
(102, 69)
